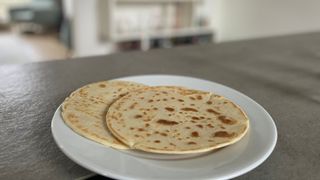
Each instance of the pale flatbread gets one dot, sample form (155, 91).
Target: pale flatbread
(176, 121)
(85, 109)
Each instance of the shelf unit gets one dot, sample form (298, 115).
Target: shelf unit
(149, 20)
(169, 33)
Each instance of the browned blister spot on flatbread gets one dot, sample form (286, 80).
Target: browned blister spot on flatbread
(226, 120)
(213, 111)
(163, 134)
(85, 130)
(71, 116)
(210, 125)
(138, 116)
(223, 134)
(102, 85)
(195, 118)
(79, 126)
(82, 91)
(189, 109)
(166, 122)
(192, 143)
(169, 109)
(199, 126)
(195, 134)
(132, 105)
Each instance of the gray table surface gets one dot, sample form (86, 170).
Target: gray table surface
(281, 73)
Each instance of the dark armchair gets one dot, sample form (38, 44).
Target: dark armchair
(45, 13)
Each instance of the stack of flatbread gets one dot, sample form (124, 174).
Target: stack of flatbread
(157, 119)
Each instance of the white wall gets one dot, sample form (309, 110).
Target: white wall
(246, 19)
(85, 29)
(207, 8)
(68, 8)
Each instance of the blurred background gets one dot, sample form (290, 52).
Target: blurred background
(42, 30)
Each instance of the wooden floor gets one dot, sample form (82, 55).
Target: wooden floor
(18, 48)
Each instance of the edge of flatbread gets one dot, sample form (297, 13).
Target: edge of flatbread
(85, 109)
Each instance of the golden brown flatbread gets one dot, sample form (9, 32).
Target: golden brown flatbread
(174, 120)
(85, 109)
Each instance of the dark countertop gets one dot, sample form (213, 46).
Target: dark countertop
(281, 73)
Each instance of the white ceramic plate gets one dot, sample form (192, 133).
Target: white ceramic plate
(226, 163)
